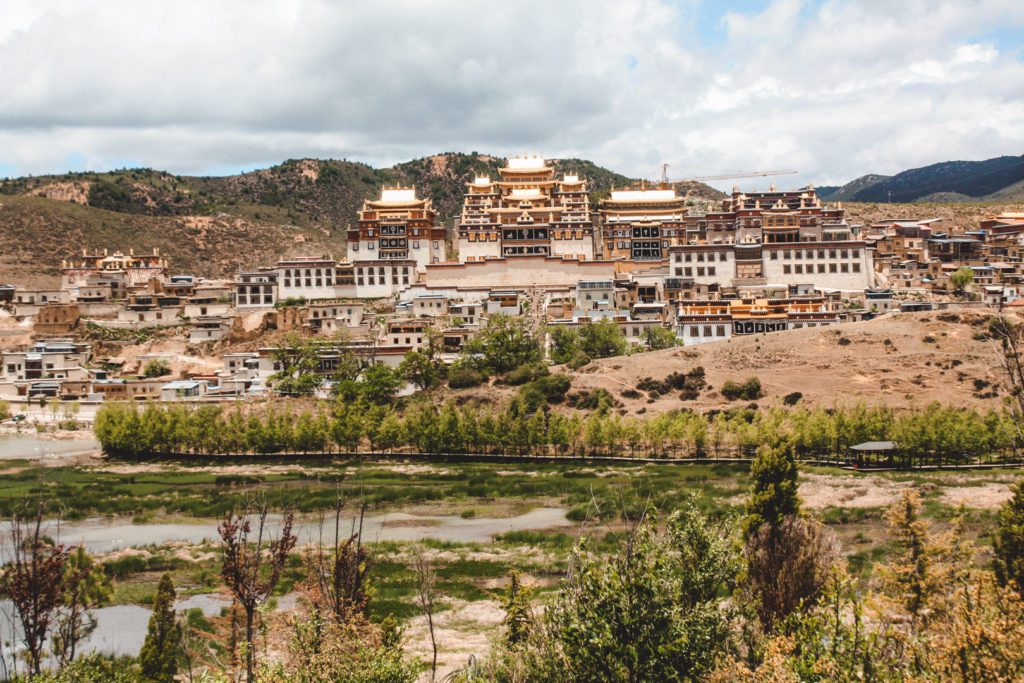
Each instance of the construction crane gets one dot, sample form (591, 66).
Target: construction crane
(740, 174)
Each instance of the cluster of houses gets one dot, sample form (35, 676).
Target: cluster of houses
(525, 243)
(922, 256)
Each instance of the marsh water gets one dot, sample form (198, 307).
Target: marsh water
(29, 446)
(121, 629)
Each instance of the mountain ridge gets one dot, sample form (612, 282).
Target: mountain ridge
(998, 178)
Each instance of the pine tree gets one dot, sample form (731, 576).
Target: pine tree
(159, 655)
(911, 573)
(774, 494)
(1008, 540)
(518, 615)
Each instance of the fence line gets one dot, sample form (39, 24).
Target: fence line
(846, 463)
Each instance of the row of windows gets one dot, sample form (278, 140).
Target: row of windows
(799, 254)
(314, 282)
(371, 281)
(832, 268)
(392, 230)
(380, 270)
(299, 272)
(701, 271)
(699, 257)
(708, 331)
(392, 244)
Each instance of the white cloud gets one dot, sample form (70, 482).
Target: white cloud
(834, 88)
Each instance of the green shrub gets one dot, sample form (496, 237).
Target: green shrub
(578, 360)
(526, 373)
(750, 390)
(157, 367)
(793, 398)
(464, 378)
(554, 387)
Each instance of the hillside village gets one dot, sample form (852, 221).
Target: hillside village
(529, 242)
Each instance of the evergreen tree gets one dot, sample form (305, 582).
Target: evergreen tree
(159, 654)
(911, 574)
(518, 616)
(1008, 540)
(774, 494)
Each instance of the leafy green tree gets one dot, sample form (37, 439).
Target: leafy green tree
(647, 613)
(565, 343)
(1008, 540)
(504, 344)
(602, 339)
(298, 359)
(380, 383)
(658, 337)
(962, 278)
(424, 369)
(162, 647)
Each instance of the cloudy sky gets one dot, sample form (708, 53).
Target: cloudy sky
(833, 88)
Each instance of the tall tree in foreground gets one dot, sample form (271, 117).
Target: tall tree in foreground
(426, 588)
(1008, 541)
(789, 557)
(31, 579)
(518, 615)
(773, 496)
(252, 561)
(85, 588)
(162, 647)
(911, 574)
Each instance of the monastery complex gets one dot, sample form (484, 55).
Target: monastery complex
(530, 243)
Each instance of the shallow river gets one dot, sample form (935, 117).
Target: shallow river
(28, 446)
(102, 536)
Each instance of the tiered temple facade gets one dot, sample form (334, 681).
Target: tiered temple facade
(397, 227)
(395, 238)
(641, 225)
(773, 237)
(526, 212)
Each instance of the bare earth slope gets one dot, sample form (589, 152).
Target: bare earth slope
(37, 233)
(896, 360)
(963, 216)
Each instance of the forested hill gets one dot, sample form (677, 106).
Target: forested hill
(999, 178)
(215, 225)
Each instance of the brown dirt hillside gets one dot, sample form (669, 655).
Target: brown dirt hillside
(964, 216)
(898, 361)
(37, 233)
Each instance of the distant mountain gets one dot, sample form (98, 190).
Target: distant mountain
(847, 192)
(216, 225)
(946, 181)
(824, 191)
